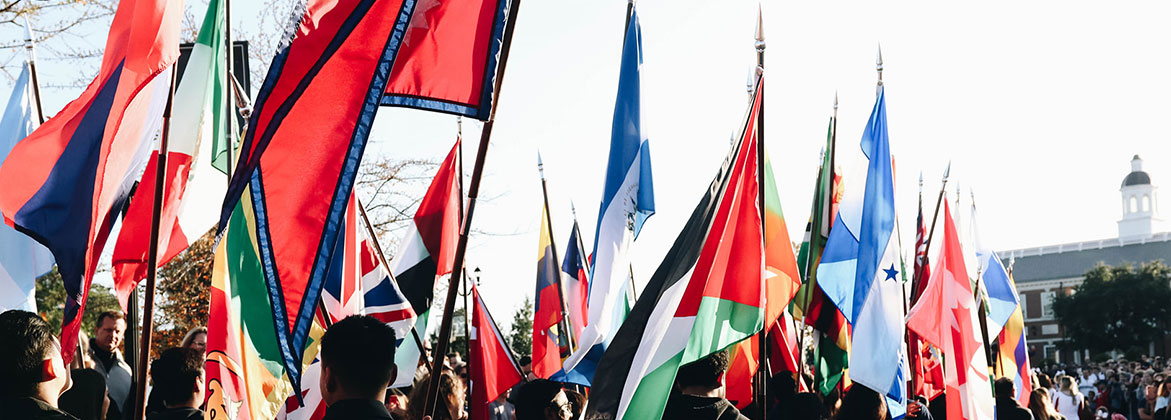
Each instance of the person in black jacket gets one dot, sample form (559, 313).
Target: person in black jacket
(357, 365)
(178, 381)
(699, 394)
(1007, 407)
(32, 376)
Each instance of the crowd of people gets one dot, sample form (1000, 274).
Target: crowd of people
(356, 372)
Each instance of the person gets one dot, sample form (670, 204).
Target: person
(34, 374)
(108, 361)
(802, 406)
(698, 393)
(451, 398)
(454, 359)
(1068, 400)
(1163, 393)
(1042, 407)
(86, 399)
(357, 365)
(542, 399)
(501, 409)
(577, 401)
(178, 380)
(396, 403)
(1007, 407)
(196, 339)
(862, 403)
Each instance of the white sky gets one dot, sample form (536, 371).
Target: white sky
(1039, 105)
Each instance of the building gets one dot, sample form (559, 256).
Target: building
(1043, 272)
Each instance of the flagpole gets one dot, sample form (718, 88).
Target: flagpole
(32, 70)
(931, 232)
(807, 298)
(762, 353)
(913, 353)
(153, 257)
(983, 307)
(556, 256)
(231, 95)
(465, 228)
(382, 259)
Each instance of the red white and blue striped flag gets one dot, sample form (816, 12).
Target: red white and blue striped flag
(65, 182)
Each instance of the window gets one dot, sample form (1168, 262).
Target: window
(1047, 304)
(1133, 204)
(1146, 202)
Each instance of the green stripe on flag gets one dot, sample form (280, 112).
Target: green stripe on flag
(653, 390)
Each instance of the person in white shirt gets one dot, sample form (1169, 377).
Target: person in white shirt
(1068, 400)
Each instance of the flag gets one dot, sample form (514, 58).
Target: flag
(342, 293)
(1014, 354)
(1000, 294)
(319, 100)
(928, 373)
(547, 313)
(493, 371)
(707, 294)
(22, 259)
(245, 374)
(382, 297)
(627, 201)
(781, 282)
(832, 345)
(65, 183)
(575, 271)
(946, 316)
(425, 253)
(859, 267)
(192, 185)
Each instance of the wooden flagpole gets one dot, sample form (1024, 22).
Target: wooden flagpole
(153, 258)
(564, 324)
(465, 228)
(761, 377)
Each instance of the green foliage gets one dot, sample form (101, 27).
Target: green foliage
(1117, 308)
(521, 337)
(50, 297)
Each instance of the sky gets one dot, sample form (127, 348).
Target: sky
(1038, 106)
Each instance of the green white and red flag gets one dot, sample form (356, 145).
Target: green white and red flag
(707, 295)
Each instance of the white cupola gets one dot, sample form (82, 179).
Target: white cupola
(1140, 209)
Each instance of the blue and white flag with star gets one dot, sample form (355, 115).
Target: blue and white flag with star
(859, 268)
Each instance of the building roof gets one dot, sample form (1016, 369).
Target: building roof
(1136, 178)
(1074, 260)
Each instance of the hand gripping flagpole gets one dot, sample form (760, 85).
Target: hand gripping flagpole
(153, 258)
(762, 369)
(465, 228)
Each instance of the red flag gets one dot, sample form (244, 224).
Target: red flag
(493, 370)
(928, 367)
(62, 185)
(946, 316)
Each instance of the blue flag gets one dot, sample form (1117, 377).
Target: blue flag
(22, 259)
(627, 201)
(1002, 296)
(859, 268)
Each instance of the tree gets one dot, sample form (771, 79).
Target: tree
(184, 294)
(1117, 308)
(50, 296)
(521, 337)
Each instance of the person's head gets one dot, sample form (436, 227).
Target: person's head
(1067, 384)
(862, 403)
(109, 330)
(526, 364)
(541, 399)
(177, 376)
(454, 359)
(451, 398)
(196, 339)
(703, 375)
(1043, 381)
(577, 402)
(31, 358)
(1041, 405)
(782, 387)
(1004, 388)
(357, 359)
(86, 400)
(806, 406)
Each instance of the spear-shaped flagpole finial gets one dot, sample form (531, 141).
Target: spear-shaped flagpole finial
(540, 165)
(835, 101)
(920, 182)
(947, 172)
(760, 45)
(879, 63)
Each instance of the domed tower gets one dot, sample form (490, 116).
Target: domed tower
(1140, 209)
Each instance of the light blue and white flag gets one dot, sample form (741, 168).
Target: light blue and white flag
(994, 283)
(859, 268)
(22, 259)
(627, 201)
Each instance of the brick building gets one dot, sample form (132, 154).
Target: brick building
(1043, 272)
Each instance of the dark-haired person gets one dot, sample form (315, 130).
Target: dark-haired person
(862, 403)
(450, 403)
(108, 360)
(178, 381)
(1007, 407)
(700, 393)
(357, 364)
(541, 399)
(32, 374)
